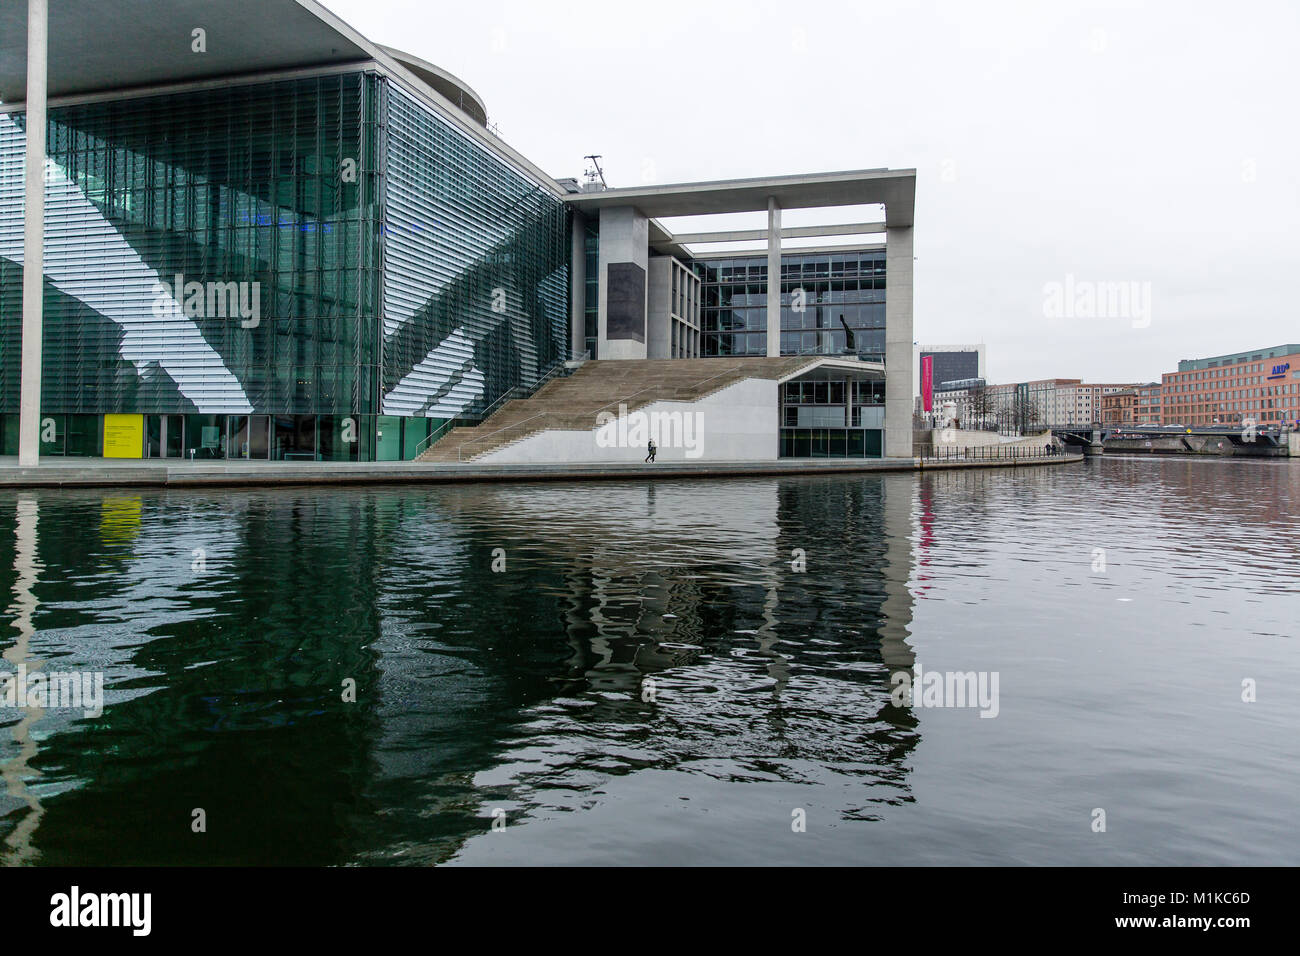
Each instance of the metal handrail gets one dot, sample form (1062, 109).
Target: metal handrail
(437, 432)
(992, 452)
(460, 450)
(505, 396)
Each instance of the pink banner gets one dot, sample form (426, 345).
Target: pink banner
(927, 383)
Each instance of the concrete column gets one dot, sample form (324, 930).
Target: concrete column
(898, 342)
(624, 255)
(697, 316)
(773, 279)
(29, 405)
(578, 286)
(660, 330)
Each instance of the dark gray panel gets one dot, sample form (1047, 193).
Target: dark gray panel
(626, 303)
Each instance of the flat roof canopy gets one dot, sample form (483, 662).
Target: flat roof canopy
(894, 188)
(837, 369)
(101, 45)
(450, 86)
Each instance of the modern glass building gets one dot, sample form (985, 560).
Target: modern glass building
(317, 268)
(282, 241)
(955, 363)
(831, 303)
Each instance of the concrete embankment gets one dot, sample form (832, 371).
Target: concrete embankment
(1202, 445)
(941, 440)
(93, 473)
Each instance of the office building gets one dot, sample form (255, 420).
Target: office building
(299, 244)
(1262, 385)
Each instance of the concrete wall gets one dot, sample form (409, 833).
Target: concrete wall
(960, 438)
(659, 294)
(624, 238)
(736, 423)
(940, 438)
(898, 342)
(1214, 445)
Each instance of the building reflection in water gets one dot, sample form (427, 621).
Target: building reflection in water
(744, 656)
(633, 626)
(20, 778)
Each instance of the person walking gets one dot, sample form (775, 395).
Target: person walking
(651, 449)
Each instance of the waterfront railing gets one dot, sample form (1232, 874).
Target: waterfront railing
(992, 453)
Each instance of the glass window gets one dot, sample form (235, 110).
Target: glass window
(206, 435)
(803, 443)
(81, 436)
(293, 438)
(339, 437)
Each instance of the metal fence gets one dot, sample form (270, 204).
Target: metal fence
(991, 453)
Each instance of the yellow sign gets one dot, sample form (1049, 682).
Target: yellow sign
(123, 436)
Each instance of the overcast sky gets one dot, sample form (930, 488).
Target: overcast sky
(1147, 143)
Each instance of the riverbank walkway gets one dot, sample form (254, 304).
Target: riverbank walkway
(175, 473)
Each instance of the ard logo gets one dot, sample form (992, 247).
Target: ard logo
(1280, 370)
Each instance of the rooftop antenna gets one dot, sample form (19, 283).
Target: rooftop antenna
(594, 173)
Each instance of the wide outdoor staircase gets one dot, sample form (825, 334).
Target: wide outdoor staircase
(575, 401)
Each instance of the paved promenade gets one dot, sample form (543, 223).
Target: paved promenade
(110, 472)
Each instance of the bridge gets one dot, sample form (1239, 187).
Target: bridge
(1091, 437)
(1088, 438)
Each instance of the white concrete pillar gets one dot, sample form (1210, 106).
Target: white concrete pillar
(661, 328)
(29, 406)
(773, 279)
(898, 342)
(625, 249)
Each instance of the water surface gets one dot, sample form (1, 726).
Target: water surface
(665, 672)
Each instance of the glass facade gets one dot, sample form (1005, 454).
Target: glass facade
(831, 304)
(203, 253)
(267, 270)
(832, 419)
(476, 269)
(591, 300)
(829, 443)
(951, 366)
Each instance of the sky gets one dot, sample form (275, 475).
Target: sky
(1102, 188)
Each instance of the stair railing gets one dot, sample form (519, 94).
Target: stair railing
(515, 390)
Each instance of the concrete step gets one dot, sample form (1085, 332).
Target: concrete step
(575, 401)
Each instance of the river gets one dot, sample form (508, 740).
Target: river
(672, 672)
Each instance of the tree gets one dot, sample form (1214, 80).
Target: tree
(1025, 413)
(980, 406)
